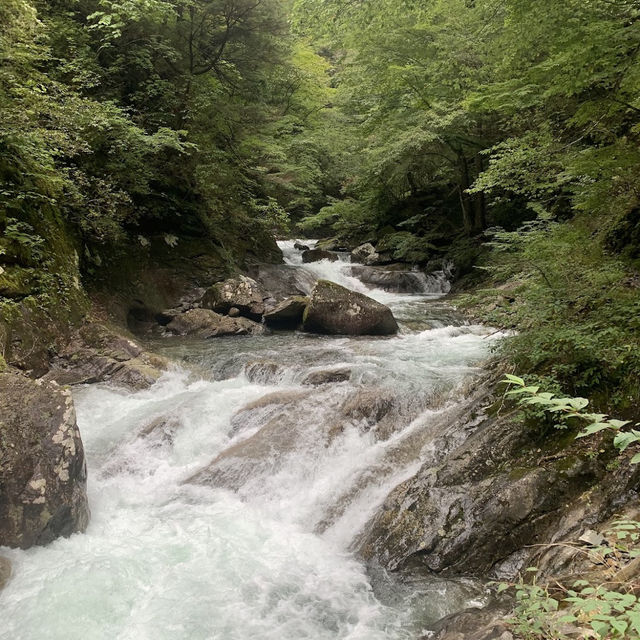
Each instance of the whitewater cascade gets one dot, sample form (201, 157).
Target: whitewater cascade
(228, 499)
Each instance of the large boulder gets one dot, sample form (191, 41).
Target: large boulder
(96, 353)
(43, 474)
(333, 309)
(242, 293)
(316, 255)
(205, 323)
(288, 314)
(366, 254)
(281, 281)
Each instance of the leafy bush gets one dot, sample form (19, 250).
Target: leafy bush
(587, 609)
(569, 409)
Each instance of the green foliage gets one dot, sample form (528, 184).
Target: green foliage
(574, 307)
(588, 608)
(598, 610)
(567, 410)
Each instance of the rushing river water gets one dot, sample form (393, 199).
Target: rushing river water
(227, 500)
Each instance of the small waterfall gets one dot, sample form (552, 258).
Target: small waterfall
(381, 283)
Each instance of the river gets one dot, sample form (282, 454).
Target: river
(228, 499)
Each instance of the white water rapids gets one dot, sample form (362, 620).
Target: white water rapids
(265, 550)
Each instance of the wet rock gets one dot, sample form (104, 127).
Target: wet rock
(333, 309)
(402, 281)
(259, 456)
(279, 282)
(316, 255)
(241, 292)
(474, 624)
(5, 571)
(366, 254)
(301, 247)
(161, 431)
(43, 475)
(276, 398)
(165, 317)
(316, 378)
(263, 371)
(476, 509)
(97, 354)
(373, 409)
(204, 323)
(288, 314)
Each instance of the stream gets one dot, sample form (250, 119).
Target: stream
(228, 499)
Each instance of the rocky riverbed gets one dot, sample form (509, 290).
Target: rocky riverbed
(288, 481)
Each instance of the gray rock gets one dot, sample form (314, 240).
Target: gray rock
(263, 371)
(315, 255)
(333, 309)
(5, 571)
(205, 323)
(373, 409)
(366, 254)
(98, 354)
(279, 282)
(485, 499)
(328, 376)
(401, 280)
(43, 474)
(301, 247)
(288, 314)
(234, 312)
(241, 292)
(475, 624)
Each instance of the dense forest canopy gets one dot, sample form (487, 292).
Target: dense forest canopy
(500, 134)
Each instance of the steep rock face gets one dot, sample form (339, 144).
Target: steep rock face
(242, 293)
(477, 508)
(209, 324)
(43, 473)
(333, 309)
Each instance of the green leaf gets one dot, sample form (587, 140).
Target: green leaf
(593, 428)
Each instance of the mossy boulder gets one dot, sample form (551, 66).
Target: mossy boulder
(335, 310)
(43, 474)
(366, 254)
(205, 323)
(316, 255)
(241, 293)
